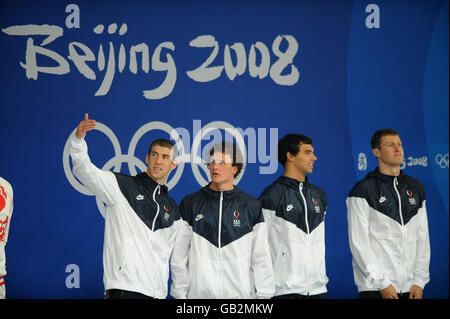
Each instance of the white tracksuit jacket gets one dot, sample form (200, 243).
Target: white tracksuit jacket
(141, 222)
(388, 232)
(222, 250)
(295, 214)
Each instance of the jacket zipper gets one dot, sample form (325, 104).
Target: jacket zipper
(157, 188)
(399, 200)
(402, 231)
(307, 230)
(157, 205)
(219, 260)
(306, 207)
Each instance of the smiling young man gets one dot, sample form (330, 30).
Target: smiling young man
(388, 227)
(141, 220)
(294, 210)
(221, 249)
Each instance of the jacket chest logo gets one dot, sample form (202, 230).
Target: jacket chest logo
(316, 205)
(383, 200)
(166, 213)
(198, 217)
(236, 221)
(411, 199)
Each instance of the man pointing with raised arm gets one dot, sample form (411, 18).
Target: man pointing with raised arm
(141, 220)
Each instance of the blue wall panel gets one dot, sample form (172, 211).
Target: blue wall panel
(334, 72)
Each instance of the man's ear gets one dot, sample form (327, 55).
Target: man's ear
(173, 165)
(376, 152)
(147, 159)
(289, 157)
(235, 170)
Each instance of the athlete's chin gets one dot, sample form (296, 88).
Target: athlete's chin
(216, 181)
(157, 176)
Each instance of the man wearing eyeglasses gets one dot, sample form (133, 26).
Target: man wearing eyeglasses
(221, 251)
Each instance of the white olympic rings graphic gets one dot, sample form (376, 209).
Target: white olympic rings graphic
(133, 162)
(442, 160)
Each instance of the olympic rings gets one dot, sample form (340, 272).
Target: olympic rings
(66, 162)
(442, 160)
(133, 162)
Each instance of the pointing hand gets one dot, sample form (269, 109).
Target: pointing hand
(85, 126)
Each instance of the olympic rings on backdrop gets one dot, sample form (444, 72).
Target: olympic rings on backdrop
(442, 160)
(194, 158)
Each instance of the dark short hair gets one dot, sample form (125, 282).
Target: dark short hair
(233, 151)
(161, 142)
(375, 142)
(291, 143)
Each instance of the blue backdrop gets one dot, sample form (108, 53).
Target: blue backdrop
(333, 70)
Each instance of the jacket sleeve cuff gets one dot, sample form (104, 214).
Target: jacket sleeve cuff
(375, 278)
(77, 144)
(75, 139)
(178, 294)
(384, 283)
(421, 280)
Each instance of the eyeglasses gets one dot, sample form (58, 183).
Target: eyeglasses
(220, 163)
